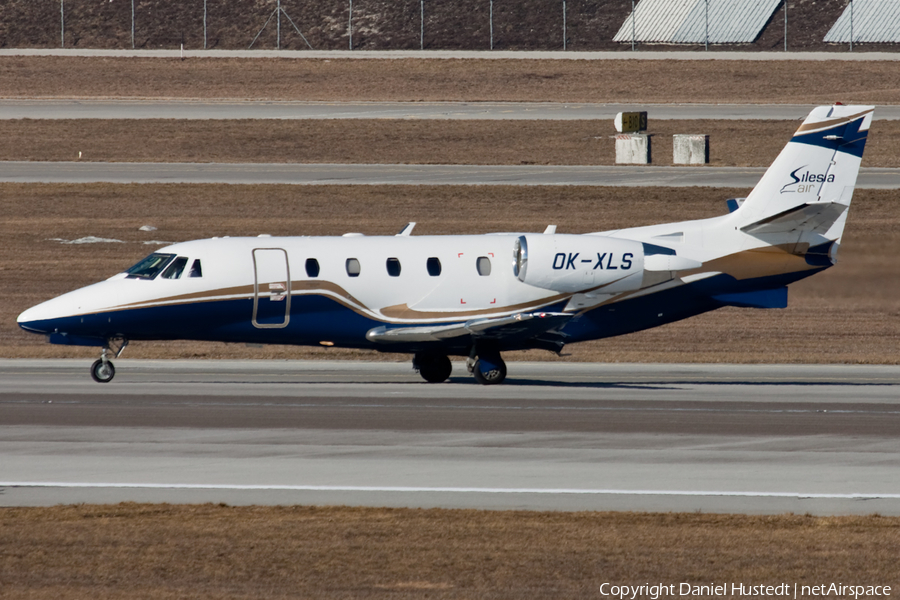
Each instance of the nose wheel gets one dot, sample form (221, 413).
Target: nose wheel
(103, 370)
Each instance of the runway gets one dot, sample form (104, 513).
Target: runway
(402, 174)
(550, 111)
(556, 436)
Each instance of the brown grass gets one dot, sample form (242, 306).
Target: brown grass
(848, 314)
(732, 143)
(163, 551)
(465, 80)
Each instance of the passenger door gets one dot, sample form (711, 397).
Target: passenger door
(271, 288)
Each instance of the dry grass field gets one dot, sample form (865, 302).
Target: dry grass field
(849, 314)
(199, 552)
(732, 143)
(463, 80)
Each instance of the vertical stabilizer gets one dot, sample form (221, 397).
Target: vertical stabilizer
(815, 174)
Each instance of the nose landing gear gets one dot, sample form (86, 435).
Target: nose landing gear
(103, 370)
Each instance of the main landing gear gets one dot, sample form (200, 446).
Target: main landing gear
(432, 366)
(103, 370)
(487, 367)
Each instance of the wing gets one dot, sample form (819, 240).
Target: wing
(512, 329)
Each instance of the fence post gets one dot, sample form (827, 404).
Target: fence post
(350, 25)
(632, 25)
(492, 24)
(564, 25)
(706, 17)
(278, 25)
(204, 24)
(851, 25)
(421, 24)
(62, 25)
(132, 24)
(785, 25)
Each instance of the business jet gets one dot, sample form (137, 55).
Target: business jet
(478, 296)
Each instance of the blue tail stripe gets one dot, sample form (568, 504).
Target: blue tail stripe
(849, 138)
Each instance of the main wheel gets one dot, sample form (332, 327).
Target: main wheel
(434, 368)
(102, 372)
(489, 372)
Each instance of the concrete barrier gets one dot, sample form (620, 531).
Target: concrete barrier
(690, 149)
(633, 149)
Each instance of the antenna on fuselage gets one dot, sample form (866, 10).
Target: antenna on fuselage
(407, 231)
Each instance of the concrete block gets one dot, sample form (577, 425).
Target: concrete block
(632, 149)
(690, 149)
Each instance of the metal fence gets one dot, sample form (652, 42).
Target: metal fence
(279, 19)
(287, 23)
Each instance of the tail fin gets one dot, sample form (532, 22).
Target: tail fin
(809, 186)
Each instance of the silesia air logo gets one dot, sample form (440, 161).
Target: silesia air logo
(805, 181)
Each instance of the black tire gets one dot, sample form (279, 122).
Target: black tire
(493, 376)
(103, 372)
(434, 368)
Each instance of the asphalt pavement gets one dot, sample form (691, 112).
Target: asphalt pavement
(641, 54)
(403, 174)
(555, 436)
(63, 108)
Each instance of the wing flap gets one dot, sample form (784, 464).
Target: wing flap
(513, 327)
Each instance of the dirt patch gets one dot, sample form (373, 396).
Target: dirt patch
(460, 80)
(163, 551)
(732, 143)
(848, 314)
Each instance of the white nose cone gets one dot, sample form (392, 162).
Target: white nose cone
(55, 314)
(44, 317)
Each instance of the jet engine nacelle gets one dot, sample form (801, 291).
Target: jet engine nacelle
(579, 263)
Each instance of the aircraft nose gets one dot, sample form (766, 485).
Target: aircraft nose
(36, 319)
(47, 317)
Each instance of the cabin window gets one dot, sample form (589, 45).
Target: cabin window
(393, 267)
(483, 264)
(434, 266)
(196, 269)
(312, 267)
(150, 267)
(353, 267)
(176, 268)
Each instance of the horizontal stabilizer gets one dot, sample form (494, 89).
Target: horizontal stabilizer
(817, 217)
(776, 298)
(514, 327)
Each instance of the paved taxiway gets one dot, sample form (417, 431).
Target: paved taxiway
(725, 438)
(402, 174)
(837, 55)
(287, 110)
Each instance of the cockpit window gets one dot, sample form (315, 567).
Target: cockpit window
(150, 267)
(196, 269)
(175, 269)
